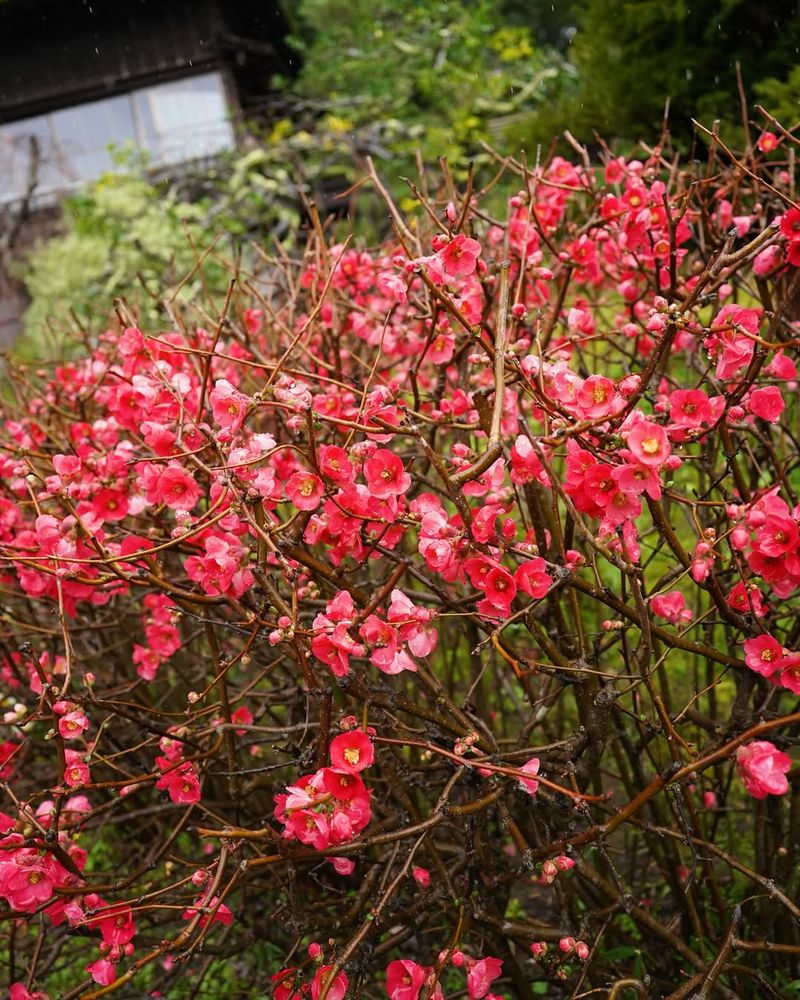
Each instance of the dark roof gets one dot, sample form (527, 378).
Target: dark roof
(55, 53)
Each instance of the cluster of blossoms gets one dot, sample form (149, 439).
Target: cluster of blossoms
(331, 806)
(403, 490)
(33, 870)
(405, 979)
(390, 644)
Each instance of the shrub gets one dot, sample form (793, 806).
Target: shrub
(422, 620)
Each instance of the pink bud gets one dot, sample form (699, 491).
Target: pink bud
(567, 944)
(422, 877)
(582, 950)
(539, 949)
(549, 872)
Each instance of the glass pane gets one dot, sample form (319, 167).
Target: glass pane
(174, 122)
(83, 134)
(185, 119)
(15, 158)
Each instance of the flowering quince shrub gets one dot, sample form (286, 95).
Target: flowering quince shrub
(420, 621)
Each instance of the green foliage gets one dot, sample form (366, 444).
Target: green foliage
(630, 55)
(438, 76)
(121, 231)
(782, 97)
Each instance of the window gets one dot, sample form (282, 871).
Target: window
(172, 122)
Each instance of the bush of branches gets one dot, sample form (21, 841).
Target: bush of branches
(419, 622)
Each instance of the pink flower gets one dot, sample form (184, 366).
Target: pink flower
(531, 767)
(18, 991)
(422, 877)
(102, 971)
(385, 474)
(525, 464)
(762, 768)
(76, 773)
(404, 979)
(181, 783)
(72, 724)
(253, 320)
(480, 976)
(342, 866)
(460, 256)
(335, 464)
(689, 408)
(648, 442)
(441, 349)
(549, 872)
(767, 142)
(304, 490)
(110, 505)
(532, 578)
(671, 606)
(175, 487)
(763, 655)
(500, 590)
(413, 624)
(337, 989)
(221, 913)
(790, 225)
(352, 751)
(228, 405)
(283, 985)
(767, 403)
(597, 397)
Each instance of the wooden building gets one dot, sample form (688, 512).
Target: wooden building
(168, 78)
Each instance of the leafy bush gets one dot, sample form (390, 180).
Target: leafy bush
(436, 77)
(420, 620)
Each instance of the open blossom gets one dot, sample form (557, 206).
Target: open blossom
(385, 474)
(763, 654)
(689, 408)
(767, 403)
(460, 256)
(304, 490)
(648, 442)
(352, 751)
(405, 979)
(172, 485)
(532, 578)
(336, 990)
(762, 768)
(480, 976)
(228, 405)
(767, 142)
(76, 772)
(413, 624)
(181, 783)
